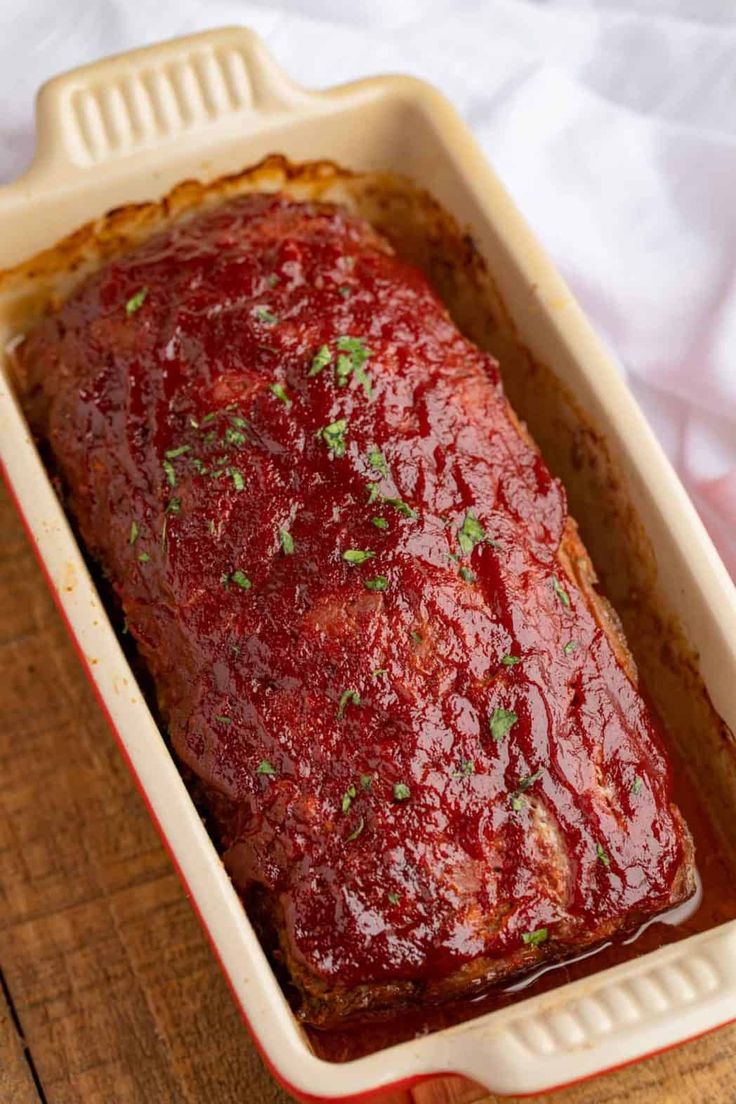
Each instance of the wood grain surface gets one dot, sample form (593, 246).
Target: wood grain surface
(111, 994)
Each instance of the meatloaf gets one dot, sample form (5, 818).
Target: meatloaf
(373, 632)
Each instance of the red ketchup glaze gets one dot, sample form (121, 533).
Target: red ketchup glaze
(425, 754)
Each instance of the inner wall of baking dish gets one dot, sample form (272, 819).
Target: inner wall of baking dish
(389, 128)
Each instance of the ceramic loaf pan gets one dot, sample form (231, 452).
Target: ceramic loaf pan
(126, 130)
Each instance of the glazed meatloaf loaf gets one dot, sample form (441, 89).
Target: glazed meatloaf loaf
(411, 722)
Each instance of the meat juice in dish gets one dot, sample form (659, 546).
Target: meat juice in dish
(411, 722)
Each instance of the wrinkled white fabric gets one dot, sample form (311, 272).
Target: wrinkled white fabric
(612, 123)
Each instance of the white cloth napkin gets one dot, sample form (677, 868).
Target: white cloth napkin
(612, 123)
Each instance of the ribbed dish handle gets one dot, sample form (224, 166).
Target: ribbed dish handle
(158, 95)
(605, 1021)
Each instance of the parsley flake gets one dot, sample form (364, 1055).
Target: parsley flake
(470, 533)
(173, 506)
(416, 637)
(510, 660)
(279, 391)
(467, 767)
(467, 575)
(347, 696)
(637, 786)
(380, 523)
(264, 767)
(394, 898)
(333, 436)
(357, 555)
(500, 722)
(320, 360)
(560, 592)
(374, 493)
(356, 832)
(366, 781)
(170, 473)
(263, 314)
(240, 579)
(401, 791)
(234, 437)
(570, 647)
(377, 460)
(223, 719)
(379, 583)
(347, 798)
(353, 355)
(517, 800)
(535, 938)
(378, 671)
(172, 454)
(237, 478)
(287, 542)
(136, 301)
(528, 781)
(602, 854)
(344, 291)
(143, 557)
(402, 507)
(134, 532)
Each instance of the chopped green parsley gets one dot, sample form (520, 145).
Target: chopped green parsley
(287, 542)
(393, 897)
(348, 797)
(500, 722)
(401, 791)
(263, 314)
(467, 575)
(379, 583)
(471, 532)
(510, 660)
(264, 767)
(224, 720)
(534, 938)
(172, 454)
(136, 301)
(170, 473)
(366, 781)
(134, 532)
(333, 436)
(402, 507)
(357, 555)
(378, 461)
(602, 854)
(320, 360)
(240, 579)
(570, 647)
(380, 523)
(347, 697)
(237, 478)
(353, 355)
(143, 557)
(560, 592)
(356, 831)
(279, 391)
(637, 786)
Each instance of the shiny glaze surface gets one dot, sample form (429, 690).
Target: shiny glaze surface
(426, 756)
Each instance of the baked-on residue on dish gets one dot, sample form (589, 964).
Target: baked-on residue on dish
(373, 631)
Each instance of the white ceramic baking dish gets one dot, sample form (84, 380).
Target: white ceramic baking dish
(127, 129)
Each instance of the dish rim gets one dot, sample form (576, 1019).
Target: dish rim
(467, 1047)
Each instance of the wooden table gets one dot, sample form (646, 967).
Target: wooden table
(110, 992)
